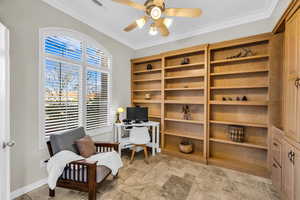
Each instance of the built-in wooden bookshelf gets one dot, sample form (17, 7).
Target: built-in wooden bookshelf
(185, 84)
(202, 84)
(229, 80)
(147, 81)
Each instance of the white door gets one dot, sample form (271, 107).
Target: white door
(5, 143)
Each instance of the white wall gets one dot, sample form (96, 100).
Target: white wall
(24, 18)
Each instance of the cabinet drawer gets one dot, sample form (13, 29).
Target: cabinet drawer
(276, 175)
(276, 151)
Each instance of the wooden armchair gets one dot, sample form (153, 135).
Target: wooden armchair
(82, 175)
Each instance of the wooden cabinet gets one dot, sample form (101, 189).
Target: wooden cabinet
(297, 174)
(287, 171)
(290, 172)
(292, 75)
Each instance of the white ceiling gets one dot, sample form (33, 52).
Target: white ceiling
(217, 14)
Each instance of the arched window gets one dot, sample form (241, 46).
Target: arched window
(75, 82)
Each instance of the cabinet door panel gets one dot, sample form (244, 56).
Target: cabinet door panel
(291, 73)
(287, 172)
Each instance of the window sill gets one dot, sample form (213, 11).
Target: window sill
(91, 133)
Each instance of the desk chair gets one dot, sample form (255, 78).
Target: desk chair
(139, 136)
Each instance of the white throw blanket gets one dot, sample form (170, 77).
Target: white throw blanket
(58, 162)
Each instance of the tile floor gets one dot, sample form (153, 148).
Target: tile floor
(171, 178)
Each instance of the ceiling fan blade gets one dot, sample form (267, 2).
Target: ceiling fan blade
(131, 4)
(183, 12)
(163, 29)
(134, 25)
(130, 27)
(158, 2)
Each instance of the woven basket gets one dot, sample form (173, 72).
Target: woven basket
(186, 147)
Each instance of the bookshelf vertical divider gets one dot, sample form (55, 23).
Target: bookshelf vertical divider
(212, 83)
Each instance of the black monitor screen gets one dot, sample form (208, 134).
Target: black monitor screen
(130, 113)
(141, 114)
(137, 113)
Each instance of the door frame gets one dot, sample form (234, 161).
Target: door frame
(4, 116)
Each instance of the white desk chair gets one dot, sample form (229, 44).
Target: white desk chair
(139, 136)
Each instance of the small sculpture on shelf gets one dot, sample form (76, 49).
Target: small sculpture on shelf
(149, 67)
(224, 99)
(229, 98)
(244, 98)
(245, 52)
(186, 86)
(186, 112)
(236, 133)
(185, 61)
(147, 96)
(238, 98)
(186, 146)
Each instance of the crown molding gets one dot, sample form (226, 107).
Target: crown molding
(234, 21)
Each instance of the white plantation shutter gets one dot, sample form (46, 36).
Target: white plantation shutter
(97, 106)
(61, 96)
(70, 62)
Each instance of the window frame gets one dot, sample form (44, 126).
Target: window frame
(84, 66)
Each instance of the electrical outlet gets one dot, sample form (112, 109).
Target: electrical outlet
(43, 164)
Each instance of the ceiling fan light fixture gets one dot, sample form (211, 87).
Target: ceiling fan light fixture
(168, 22)
(141, 22)
(156, 13)
(153, 30)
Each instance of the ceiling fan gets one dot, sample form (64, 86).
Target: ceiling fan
(156, 11)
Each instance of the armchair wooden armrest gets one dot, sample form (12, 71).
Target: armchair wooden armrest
(106, 147)
(84, 162)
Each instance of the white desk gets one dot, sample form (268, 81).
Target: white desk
(124, 142)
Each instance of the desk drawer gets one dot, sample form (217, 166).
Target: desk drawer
(276, 175)
(276, 151)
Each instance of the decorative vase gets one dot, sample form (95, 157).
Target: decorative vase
(147, 96)
(185, 61)
(244, 98)
(149, 67)
(186, 147)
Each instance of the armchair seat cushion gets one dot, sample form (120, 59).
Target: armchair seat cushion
(102, 172)
(66, 140)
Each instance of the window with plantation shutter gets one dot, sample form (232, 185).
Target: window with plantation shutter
(75, 82)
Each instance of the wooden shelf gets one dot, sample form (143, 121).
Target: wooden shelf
(239, 87)
(183, 102)
(242, 103)
(185, 121)
(181, 77)
(240, 166)
(147, 71)
(183, 89)
(195, 156)
(154, 116)
(182, 134)
(239, 59)
(147, 90)
(184, 66)
(240, 123)
(239, 72)
(244, 144)
(148, 80)
(146, 101)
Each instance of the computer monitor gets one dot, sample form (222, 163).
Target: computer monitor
(137, 113)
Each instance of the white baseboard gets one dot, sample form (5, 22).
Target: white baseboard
(27, 188)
